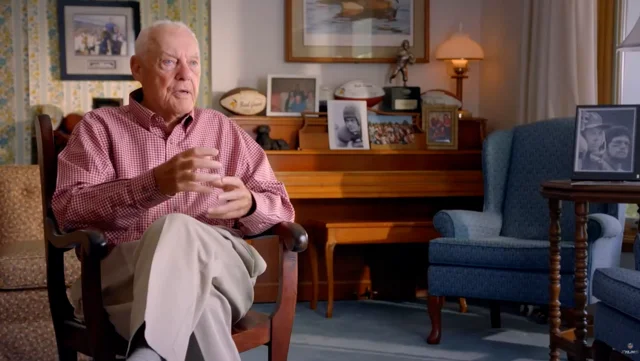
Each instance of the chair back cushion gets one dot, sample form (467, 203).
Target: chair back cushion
(540, 151)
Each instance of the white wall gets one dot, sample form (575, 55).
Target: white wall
(248, 43)
(502, 27)
(630, 76)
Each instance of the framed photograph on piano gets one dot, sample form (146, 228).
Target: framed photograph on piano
(440, 123)
(347, 125)
(393, 131)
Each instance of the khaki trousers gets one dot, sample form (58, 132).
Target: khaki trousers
(187, 281)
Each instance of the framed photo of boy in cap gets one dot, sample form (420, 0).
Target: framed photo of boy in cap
(605, 143)
(347, 124)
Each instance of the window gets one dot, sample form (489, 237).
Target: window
(629, 74)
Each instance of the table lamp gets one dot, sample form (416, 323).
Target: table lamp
(459, 48)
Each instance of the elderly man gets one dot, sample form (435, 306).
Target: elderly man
(174, 188)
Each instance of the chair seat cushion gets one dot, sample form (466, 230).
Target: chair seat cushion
(23, 265)
(618, 288)
(498, 252)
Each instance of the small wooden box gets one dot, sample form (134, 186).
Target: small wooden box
(314, 133)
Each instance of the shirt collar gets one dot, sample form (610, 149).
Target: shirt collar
(146, 117)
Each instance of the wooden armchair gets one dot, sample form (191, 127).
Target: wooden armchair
(96, 336)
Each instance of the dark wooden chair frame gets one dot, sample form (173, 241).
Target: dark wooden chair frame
(96, 336)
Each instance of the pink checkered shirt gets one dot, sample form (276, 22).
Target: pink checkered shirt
(105, 176)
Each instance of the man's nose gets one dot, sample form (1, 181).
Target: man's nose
(184, 73)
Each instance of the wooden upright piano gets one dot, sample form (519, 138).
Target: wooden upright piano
(373, 185)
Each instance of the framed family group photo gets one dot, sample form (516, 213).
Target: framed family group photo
(605, 143)
(361, 31)
(290, 95)
(440, 123)
(97, 39)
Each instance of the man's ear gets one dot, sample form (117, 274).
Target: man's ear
(136, 67)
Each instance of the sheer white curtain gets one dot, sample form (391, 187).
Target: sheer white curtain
(558, 58)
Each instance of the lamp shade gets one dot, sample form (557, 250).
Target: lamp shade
(459, 46)
(632, 41)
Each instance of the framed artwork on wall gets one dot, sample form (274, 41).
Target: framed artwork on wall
(290, 95)
(97, 39)
(605, 145)
(363, 31)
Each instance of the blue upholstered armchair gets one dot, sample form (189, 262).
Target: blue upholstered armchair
(617, 316)
(502, 253)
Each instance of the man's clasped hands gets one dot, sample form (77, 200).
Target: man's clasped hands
(180, 174)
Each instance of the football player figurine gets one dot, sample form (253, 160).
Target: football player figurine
(403, 59)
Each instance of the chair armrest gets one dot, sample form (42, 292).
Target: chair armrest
(600, 225)
(465, 224)
(92, 242)
(292, 235)
(93, 248)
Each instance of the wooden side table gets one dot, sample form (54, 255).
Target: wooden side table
(329, 234)
(581, 193)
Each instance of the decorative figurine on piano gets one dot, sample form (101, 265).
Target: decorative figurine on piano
(404, 58)
(264, 139)
(402, 98)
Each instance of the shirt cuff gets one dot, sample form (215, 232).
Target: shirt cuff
(144, 191)
(257, 222)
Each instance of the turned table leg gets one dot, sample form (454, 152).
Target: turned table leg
(555, 210)
(462, 302)
(328, 255)
(313, 255)
(580, 281)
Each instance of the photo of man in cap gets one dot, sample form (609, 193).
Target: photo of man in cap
(605, 139)
(591, 141)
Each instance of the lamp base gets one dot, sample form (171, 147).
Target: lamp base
(458, 77)
(463, 113)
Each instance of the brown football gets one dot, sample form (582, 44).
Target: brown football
(244, 101)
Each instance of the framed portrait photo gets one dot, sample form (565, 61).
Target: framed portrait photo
(605, 143)
(97, 39)
(347, 124)
(360, 31)
(387, 131)
(440, 123)
(290, 95)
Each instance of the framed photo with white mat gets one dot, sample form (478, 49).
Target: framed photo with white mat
(347, 124)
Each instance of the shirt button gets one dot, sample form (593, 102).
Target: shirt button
(175, 209)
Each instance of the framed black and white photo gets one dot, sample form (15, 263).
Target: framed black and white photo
(97, 39)
(347, 124)
(290, 95)
(605, 143)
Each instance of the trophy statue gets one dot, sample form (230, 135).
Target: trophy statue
(402, 98)
(403, 60)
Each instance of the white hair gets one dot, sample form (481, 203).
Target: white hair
(142, 41)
